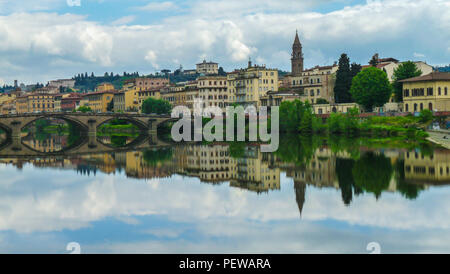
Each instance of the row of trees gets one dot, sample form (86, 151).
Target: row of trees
(370, 87)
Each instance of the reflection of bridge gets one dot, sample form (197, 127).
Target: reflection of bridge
(88, 125)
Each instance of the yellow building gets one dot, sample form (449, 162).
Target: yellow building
(104, 87)
(247, 86)
(98, 101)
(433, 169)
(430, 91)
(137, 90)
(7, 97)
(33, 103)
(7, 104)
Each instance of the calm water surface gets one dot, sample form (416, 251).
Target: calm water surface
(313, 195)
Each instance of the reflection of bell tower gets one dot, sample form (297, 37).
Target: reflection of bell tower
(300, 190)
(297, 57)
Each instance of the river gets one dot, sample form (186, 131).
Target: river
(314, 195)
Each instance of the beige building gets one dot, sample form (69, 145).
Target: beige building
(334, 108)
(119, 102)
(65, 83)
(207, 68)
(272, 99)
(315, 83)
(213, 91)
(181, 94)
(389, 65)
(247, 86)
(427, 92)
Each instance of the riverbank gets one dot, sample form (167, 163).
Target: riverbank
(440, 137)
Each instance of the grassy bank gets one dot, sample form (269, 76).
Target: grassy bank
(298, 117)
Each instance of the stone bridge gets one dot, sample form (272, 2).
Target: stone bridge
(88, 124)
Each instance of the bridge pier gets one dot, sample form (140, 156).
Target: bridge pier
(16, 143)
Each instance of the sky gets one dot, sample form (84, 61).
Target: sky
(115, 214)
(51, 39)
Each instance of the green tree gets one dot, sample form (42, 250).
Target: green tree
(374, 61)
(153, 157)
(343, 81)
(156, 106)
(373, 173)
(426, 116)
(344, 174)
(355, 69)
(404, 71)
(84, 109)
(409, 191)
(110, 106)
(322, 101)
(371, 88)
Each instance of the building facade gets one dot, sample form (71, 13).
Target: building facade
(247, 86)
(98, 101)
(274, 99)
(427, 92)
(315, 83)
(33, 103)
(213, 91)
(207, 68)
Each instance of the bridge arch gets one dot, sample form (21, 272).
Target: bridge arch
(140, 124)
(63, 117)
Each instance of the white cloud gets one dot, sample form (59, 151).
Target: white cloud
(223, 31)
(158, 6)
(419, 55)
(73, 3)
(151, 57)
(124, 20)
(246, 221)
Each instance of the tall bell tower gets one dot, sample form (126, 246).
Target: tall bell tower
(297, 57)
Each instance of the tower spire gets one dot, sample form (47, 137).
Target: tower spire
(297, 56)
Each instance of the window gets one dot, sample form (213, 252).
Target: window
(439, 91)
(430, 106)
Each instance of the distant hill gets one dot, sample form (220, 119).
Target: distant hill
(84, 82)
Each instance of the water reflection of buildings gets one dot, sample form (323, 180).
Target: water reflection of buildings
(433, 168)
(214, 164)
(252, 170)
(50, 143)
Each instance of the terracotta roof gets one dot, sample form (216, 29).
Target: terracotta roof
(434, 76)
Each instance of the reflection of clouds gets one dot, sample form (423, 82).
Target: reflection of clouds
(240, 236)
(246, 222)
